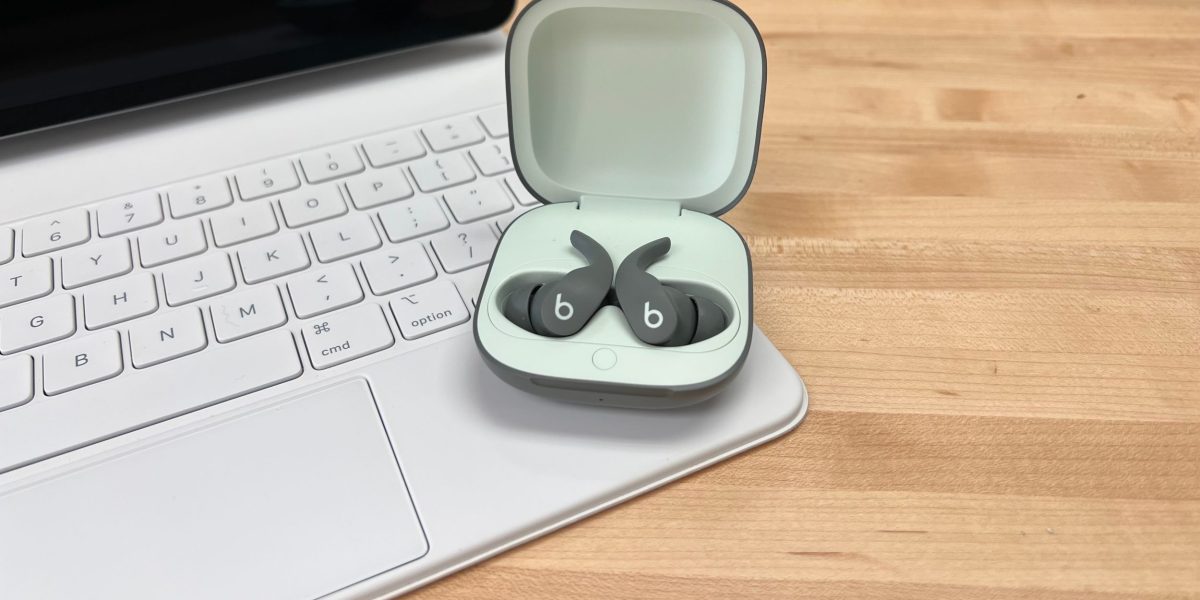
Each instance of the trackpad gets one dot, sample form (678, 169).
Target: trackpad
(294, 501)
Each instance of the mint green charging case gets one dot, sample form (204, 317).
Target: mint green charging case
(631, 120)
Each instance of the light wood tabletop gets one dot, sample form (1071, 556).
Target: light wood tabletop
(976, 235)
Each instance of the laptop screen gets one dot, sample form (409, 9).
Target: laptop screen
(64, 60)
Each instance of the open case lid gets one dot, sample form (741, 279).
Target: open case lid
(644, 99)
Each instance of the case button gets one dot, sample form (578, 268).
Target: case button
(604, 359)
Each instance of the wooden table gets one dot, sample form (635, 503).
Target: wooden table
(976, 234)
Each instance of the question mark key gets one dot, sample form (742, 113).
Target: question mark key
(468, 247)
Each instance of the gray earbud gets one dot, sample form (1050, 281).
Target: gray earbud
(659, 314)
(561, 308)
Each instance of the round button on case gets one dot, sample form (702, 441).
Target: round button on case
(631, 120)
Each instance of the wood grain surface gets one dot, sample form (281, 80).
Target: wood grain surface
(976, 235)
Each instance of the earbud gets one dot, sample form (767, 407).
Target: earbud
(561, 308)
(659, 314)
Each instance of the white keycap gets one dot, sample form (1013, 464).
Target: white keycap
(42, 429)
(246, 313)
(94, 262)
(330, 163)
(344, 237)
(266, 179)
(199, 196)
(413, 218)
(119, 300)
(392, 148)
(197, 278)
(452, 133)
(312, 204)
(495, 120)
(477, 201)
(378, 187)
(17, 375)
(272, 257)
(167, 336)
(428, 309)
(170, 242)
(503, 223)
(440, 172)
(55, 232)
(36, 323)
(81, 362)
(398, 267)
(7, 244)
(317, 292)
(26, 280)
(524, 198)
(470, 284)
(128, 213)
(347, 335)
(465, 247)
(243, 224)
(492, 159)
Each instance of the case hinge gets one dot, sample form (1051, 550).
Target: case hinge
(627, 205)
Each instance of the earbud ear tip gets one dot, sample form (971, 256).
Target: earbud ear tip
(516, 306)
(710, 319)
(685, 311)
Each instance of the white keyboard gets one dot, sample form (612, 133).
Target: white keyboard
(111, 315)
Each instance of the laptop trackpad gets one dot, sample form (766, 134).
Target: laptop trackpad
(294, 501)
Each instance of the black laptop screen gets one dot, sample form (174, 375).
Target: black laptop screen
(64, 60)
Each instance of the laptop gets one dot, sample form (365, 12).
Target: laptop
(236, 358)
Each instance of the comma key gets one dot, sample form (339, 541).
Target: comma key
(346, 335)
(428, 309)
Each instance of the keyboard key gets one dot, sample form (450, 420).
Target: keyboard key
(17, 375)
(199, 196)
(312, 205)
(244, 314)
(55, 232)
(492, 159)
(128, 213)
(505, 221)
(272, 257)
(344, 237)
(452, 133)
(36, 323)
(243, 224)
(165, 337)
(81, 362)
(319, 292)
(119, 300)
(378, 187)
(43, 429)
(197, 278)
(495, 121)
(464, 248)
(412, 219)
(347, 335)
(440, 172)
(26, 280)
(403, 266)
(265, 179)
(97, 261)
(171, 242)
(7, 241)
(524, 198)
(428, 309)
(393, 148)
(330, 163)
(470, 283)
(477, 201)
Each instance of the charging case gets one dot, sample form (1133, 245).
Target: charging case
(630, 120)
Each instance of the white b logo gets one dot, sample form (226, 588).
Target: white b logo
(655, 315)
(559, 306)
